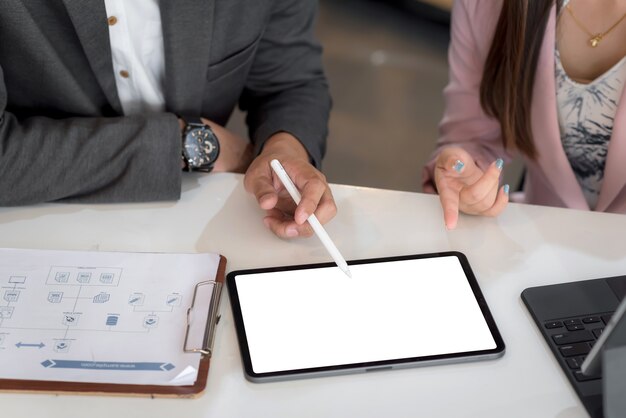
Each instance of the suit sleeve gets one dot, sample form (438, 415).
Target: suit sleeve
(90, 160)
(286, 89)
(464, 123)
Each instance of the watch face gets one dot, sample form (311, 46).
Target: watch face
(201, 147)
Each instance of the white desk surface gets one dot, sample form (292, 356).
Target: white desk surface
(525, 246)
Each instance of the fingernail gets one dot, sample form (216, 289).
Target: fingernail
(499, 163)
(302, 217)
(506, 189)
(266, 222)
(291, 232)
(265, 198)
(458, 166)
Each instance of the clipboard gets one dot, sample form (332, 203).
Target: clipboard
(153, 391)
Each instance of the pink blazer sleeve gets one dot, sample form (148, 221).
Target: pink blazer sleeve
(464, 124)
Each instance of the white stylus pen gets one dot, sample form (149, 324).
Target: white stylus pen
(312, 219)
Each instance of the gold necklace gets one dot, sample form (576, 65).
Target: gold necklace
(594, 38)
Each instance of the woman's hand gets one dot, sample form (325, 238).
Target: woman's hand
(465, 187)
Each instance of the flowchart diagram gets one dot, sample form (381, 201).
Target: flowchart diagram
(102, 317)
(75, 300)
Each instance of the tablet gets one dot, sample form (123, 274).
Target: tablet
(396, 312)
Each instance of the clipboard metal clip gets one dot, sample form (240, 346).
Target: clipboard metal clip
(212, 319)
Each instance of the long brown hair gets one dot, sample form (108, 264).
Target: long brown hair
(506, 88)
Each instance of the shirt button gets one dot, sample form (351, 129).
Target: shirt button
(124, 74)
(112, 20)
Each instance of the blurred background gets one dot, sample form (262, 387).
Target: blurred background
(386, 62)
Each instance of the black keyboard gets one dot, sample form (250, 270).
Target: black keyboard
(572, 338)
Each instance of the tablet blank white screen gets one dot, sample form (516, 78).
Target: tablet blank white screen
(391, 310)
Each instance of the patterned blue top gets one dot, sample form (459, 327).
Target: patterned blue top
(586, 114)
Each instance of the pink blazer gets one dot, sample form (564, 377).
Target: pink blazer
(550, 179)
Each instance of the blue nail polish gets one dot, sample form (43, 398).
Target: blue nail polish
(506, 189)
(458, 166)
(499, 163)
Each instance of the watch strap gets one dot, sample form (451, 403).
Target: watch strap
(192, 120)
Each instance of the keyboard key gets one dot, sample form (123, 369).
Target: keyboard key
(591, 320)
(582, 378)
(606, 318)
(575, 362)
(553, 324)
(572, 322)
(572, 350)
(572, 337)
(575, 327)
(597, 332)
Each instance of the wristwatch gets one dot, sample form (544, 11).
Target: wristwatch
(200, 145)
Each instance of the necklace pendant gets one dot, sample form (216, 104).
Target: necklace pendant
(595, 41)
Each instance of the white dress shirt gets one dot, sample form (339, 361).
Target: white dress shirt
(136, 37)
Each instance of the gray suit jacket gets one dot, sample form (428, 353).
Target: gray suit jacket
(63, 135)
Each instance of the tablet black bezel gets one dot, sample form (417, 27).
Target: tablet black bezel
(347, 368)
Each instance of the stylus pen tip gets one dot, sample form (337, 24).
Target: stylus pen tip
(348, 273)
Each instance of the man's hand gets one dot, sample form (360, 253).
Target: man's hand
(283, 217)
(462, 185)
